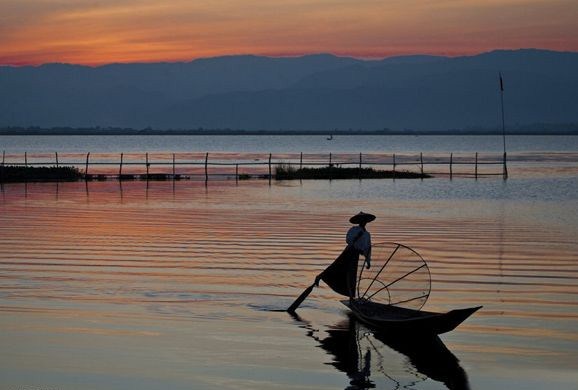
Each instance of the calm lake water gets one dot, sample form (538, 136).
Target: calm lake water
(287, 144)
(175, 285)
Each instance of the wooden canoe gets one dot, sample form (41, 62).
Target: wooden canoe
(400, 320)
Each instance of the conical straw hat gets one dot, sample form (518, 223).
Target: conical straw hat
(361, 218)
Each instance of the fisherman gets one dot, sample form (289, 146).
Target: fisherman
(359, 237)
(341, 275)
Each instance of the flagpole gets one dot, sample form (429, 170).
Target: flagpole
(505, 171)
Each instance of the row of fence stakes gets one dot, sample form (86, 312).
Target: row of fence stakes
(269, 163)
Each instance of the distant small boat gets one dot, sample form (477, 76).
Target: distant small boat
(330, 137)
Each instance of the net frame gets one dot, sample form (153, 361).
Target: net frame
(422, 266)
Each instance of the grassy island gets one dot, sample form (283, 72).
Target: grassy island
(20, 174)
(286, 172)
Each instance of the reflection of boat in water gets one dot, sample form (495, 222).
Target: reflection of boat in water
(369, 358)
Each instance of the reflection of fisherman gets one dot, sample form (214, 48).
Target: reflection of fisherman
(341, 275)
(343, 342)
(352, 346)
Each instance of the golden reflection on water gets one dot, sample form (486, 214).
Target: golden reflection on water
(141, 261)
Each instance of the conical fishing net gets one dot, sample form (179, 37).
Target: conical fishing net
(398, 276)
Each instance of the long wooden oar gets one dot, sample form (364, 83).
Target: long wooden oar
(301, 298)
(308, 290)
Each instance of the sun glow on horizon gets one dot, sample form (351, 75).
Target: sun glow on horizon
(33, 32)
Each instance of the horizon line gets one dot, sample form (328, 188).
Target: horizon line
(367, 58)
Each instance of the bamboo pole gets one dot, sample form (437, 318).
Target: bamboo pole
(2, 167)
(476, 171)
(505, 168)
(120, 167)
(147, 164)
(300, 167)
(86, 166)
(236, 173)
(421, 162)
(360, 162)
(174, 168)
(451, 162)
(56, 158)
(269, 168)
(206, 167)
(330, 167)
(26, 171)
(394, 165)
(505, 172)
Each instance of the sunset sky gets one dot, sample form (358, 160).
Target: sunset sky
(104, 31)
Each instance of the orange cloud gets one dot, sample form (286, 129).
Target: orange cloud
(39, 31)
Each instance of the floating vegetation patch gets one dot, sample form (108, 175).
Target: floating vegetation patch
(20, 174)
(17, 174)
(91, 177)
(287, 172)
(159, 177)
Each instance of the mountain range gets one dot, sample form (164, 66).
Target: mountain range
(313, 92)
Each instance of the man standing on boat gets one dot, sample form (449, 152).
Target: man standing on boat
(359, 237)
(341, 275)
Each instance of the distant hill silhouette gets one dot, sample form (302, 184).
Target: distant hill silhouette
(313, 92)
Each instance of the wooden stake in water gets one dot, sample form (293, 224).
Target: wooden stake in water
(300, 166)
(269, 168)
(120, 167)
(86, 166)
(505, 171)
(56, 157)
(360, 162)
(206, 168)
(394, 165)
(2, 167)
(174, 169)
(476, 172)
(26, 166)
(421, 162)
(451, 162)
(147, 164)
